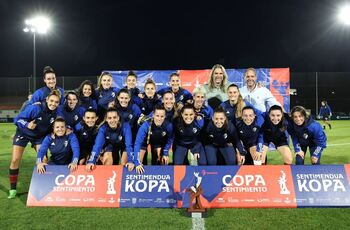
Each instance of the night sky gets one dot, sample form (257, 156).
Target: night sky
(90, 36)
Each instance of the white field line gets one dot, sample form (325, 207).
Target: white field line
(330, 145)
(198, 222)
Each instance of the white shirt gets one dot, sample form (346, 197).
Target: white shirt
(261, 98)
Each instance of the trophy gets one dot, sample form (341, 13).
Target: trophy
(195, 193)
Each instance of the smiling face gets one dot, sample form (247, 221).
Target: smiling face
(72, 101)
(298, 118)
(131, 82)
(150, 90)
(199, 99)
(175, 83)
(275, 116)
(219, 119)
(248, 116)
(168, 101)
(90, 119)
(159, 117)
(233, 94)
(106, 81)
(52, 102)
(87, 91)
(50, 80)
(250, 78)
(124, 99)
(112, 119)
(188, 116)
(59, 128)
(218, 76)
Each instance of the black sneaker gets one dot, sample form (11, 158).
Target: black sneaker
(330, 127)
(324, 127)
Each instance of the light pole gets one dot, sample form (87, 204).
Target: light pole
(40, 25)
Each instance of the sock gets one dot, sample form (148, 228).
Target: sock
(13, 173)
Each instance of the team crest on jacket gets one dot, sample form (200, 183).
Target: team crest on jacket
(65, 143)
(113, 94)
(181, 97)
(225, 135)
(39, 118)
(163, 133)
(120, 137)
(254, 129)
(84, 133)
(52, 120)
(195, 130)
(305, 135)
(130, 116)
(211, 136)
(76, 117)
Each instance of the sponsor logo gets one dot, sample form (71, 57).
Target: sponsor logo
(320, 183)
(149, 183)
(282, 181)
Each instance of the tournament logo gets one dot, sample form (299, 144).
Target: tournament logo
(282, 181)
(111, 184)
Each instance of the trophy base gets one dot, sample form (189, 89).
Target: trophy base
(197, 213)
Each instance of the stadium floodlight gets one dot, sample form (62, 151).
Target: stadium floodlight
(40, 25)
(344, 15)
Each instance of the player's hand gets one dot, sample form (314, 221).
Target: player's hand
(140, 95)
(165, 160)
(72, 167)
(301, 154)
(179, 105)
(196, 156)
(314, 160)
(89, 167)
(130, 166)
(31, 125)
(241, 160)
(140, 169)
(68, 131)
(40, 167)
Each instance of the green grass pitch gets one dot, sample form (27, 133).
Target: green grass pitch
(15, 215)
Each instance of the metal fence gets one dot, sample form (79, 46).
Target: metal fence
(308, 89)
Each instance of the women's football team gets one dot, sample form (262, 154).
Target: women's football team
(109, 126)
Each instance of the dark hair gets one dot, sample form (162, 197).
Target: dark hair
(59, 119)
(149, 132)
(80, 89)
(299, 109)
(90, 110)
(131, 73)
(71, 93)
(248, 107)
(281, 125)
(110, 109)
(174, 74)
(150, 81)
(232, 85)
(48, 69)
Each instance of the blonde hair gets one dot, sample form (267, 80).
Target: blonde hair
(99, 84)
(211, 83)
(199, 90)
(250, 69)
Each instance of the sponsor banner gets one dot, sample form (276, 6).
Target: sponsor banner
(326, 185)
(171, 186)
(154, 188)
(234, 186)
(275, 79)
(59, 187)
